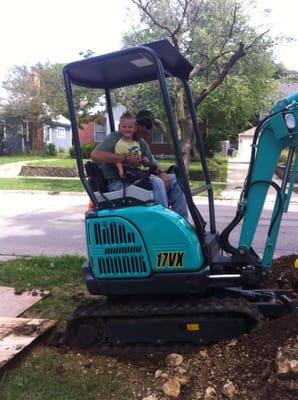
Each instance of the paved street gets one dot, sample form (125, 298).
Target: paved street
(40, 223)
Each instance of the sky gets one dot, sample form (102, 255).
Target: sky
(34, 31)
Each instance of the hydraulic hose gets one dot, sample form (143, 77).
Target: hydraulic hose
(224, 236)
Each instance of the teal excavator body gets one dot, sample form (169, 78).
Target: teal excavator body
(167, 280)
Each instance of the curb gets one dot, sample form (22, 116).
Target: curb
(51, 193)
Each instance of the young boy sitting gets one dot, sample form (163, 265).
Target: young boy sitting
(127, 145)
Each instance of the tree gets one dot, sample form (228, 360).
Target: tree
(215, 35)
(36, 95)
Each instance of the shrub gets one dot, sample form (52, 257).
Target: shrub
(212, 143)
(4, 150)
(51, 149)
(72, 153)
(87, 149)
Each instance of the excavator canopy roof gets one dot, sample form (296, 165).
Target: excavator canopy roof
(129, 66)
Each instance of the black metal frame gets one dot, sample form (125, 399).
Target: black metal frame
(161, 77)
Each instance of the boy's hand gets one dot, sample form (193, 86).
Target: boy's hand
(133, 160)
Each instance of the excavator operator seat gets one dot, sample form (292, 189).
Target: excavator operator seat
(137, 193)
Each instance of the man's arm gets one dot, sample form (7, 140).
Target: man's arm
(107, 157)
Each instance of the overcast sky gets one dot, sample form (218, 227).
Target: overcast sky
(57, 30)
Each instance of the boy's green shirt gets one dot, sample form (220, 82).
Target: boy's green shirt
(110, 170)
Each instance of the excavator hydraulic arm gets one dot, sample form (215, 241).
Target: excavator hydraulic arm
(277, 132)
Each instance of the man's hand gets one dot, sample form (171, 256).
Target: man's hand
(165, 178)
(132, 160)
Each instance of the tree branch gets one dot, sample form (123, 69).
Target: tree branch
(241, 52)
(145, 9)
(202, 67)
(237, 55)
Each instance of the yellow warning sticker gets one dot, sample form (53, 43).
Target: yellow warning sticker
(170, 259)
(192, 327)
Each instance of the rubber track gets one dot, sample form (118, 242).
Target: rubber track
(99, 310)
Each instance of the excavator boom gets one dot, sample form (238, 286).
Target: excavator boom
(275, 133)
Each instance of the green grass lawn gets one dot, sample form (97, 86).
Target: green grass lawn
(74, 185)
(216, 163)
(51, 185)
(47, 373)
(25, 158)
(17, 158)
(56, 162)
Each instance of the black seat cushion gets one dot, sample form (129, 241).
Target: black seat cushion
(95, 176)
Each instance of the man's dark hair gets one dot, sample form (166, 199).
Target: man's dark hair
(145, 118)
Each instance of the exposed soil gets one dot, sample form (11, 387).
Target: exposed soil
(247, 363)
(60, 172)
(283, 270)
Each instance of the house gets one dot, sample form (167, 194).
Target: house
(14, 133)
(95, 132)
(245, 138)
(244, 144)
(11, 134)
(58, 132)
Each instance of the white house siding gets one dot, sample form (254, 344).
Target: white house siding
(60, 136)
(244, 144)
(117, 112)
(59, 133)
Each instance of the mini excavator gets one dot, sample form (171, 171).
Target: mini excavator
(164, 282)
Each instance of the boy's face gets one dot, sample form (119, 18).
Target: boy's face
(127, 128)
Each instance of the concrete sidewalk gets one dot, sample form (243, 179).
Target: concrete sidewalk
(11, 170)
(237, 172)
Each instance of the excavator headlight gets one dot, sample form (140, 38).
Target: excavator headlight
(290, 121)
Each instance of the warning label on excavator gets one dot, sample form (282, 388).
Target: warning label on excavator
(170, 259)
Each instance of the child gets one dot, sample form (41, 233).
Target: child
(127, 144)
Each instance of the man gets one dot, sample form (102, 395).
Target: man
(165, 187)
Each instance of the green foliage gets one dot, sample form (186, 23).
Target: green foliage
(61, 150)
(212, 143)
(87, 149)
(51, 149)
(36, 95)
(72, 153)
(208, 33)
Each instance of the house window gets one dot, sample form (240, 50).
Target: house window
(47, 134)
(61, 133)
(157, 137)
(100, 133)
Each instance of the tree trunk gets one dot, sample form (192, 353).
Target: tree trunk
(187, 143)
(186, 128)
(36, 133)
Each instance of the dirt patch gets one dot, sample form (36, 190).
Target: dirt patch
(283, 271)
(49, 171)
(240, 369)
(248, 363)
